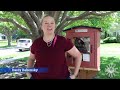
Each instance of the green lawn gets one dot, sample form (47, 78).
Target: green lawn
(111, 49)
(110, 55)
(18, 54)
(3, 44)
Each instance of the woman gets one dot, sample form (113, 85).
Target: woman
(49, 52)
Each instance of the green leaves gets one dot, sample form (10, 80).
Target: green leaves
(10, 15)
(103, 22)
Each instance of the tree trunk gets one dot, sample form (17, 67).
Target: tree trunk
(106, 34)
(9, 40)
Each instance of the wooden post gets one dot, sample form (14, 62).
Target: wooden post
(85, 73)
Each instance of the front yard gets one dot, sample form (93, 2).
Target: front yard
(110, 57)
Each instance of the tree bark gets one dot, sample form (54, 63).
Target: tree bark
(9, 38)
(106, 34)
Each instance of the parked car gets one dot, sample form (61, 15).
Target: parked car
(24, 44)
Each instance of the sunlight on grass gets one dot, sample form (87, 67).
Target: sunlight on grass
(110, 54)
(18, 54)
(105, 61)
(23, 59)
(110, 45)
(112, 49)
(3, 44)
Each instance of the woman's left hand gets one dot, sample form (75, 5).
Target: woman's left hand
(72, 76)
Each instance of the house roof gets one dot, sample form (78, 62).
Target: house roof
(2, 34)
(83, 27)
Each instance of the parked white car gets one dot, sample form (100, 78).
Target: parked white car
(24, 44)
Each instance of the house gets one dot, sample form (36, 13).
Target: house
(114, 33)
(2, 36)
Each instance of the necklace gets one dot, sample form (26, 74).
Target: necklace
(49, 43)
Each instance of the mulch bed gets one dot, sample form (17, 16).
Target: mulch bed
(14, 75)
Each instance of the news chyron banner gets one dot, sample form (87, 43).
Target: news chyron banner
(10, 70)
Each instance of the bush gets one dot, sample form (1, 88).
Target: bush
(110, 40)
(118, 38)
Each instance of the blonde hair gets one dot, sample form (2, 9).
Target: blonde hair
(41, 20)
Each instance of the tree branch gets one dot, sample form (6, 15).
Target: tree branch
(89, 15)
(81, 16)
(25, 15)
(51, 13)
(33, 15)
(61, 24)
(30, 22)
(85, 15)
(71, 20)
(92, 17)
(16, 24)
(64, 15)
(96, 13)
(39, 14)
(6, 31)
(35, 18)
(57, 16)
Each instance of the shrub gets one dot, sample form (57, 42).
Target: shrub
(110, 40)
(118, 38)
